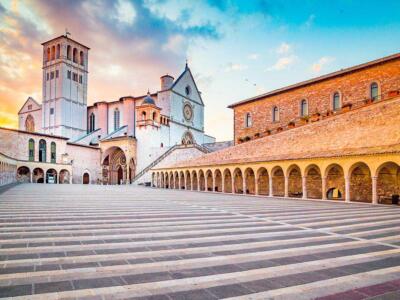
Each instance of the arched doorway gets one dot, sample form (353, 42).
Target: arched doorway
(238, 181)
(313, 182)
(295, 182)
(227, 181)
(278, 182)
(263, 181)
(335, 184)
(38, 175)
(182, 180)
(23, 174)
(388, 181)
(51, 176)
(218, 181)
(86, 178)
(360, 183)
(64, 177)
(114, 166)
(250, 181)
(176, 180)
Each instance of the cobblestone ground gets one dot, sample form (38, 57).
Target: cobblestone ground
(110, 242)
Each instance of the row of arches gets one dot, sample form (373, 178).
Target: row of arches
(334, 182)
(54, 52)
(38, 175)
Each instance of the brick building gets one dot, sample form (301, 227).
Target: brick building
(333, 137)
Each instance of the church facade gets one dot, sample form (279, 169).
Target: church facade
(125, 136)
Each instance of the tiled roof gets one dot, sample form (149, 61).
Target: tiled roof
(369, 130)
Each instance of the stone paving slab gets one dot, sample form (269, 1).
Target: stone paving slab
(125, 242)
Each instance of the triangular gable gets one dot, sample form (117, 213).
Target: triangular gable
(30, 101)
(178, 88)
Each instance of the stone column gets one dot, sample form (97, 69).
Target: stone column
(347, 188)
(374, 190)
(184, 180)
(213, 182)
(198, 183)
(255, 185)
(233, 184)
(244, 184)
(304, 186)
(271, 191)
(286, 186)
(31, 177)
(323, 188)
(222, 184)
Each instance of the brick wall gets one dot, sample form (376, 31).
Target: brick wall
(354, 88)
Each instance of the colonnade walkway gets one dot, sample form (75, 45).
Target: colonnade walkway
(126, 242)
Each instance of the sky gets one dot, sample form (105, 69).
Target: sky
(235, 49)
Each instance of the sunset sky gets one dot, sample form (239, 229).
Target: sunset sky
(236, 49)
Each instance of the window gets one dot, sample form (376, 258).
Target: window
(53, 152)
(116, 119)
(81, 58)
(80, 78)
(187, 90)
(75, 55)
(154, 116)
(69, 52)
(91, 122)
(30, 124)
(52, 75)
(52, 111)
(275, 114)
(69, 74)
(47, 76)
(336, 101)
(374, 91)
(143, 115)
(57, 73)
(53, 52)
(48, 54)
(42, 151)
(304, 108)
(29, 107)
(248, 120)
(58, 51)
(31, 150)
(75, 77)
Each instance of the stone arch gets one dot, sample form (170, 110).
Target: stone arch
(86, 178)
(195, 181)
(335, 183)
(182, 185)
(64, 176)
(188, 180)
(209, 181)
(53, 52)
(23, 174)
(30, 123)
(114, 166)
(81, 58)
(69, 52)
(202, 181)
(187, 138)
(176, 180)
(75, 55)
(51, 176)
(360, 183)
(250, 180)
(227, 181)
(218, 181)
(313, 182)
(238, 181)
(295, 183)
(278, 181)
(263, 181)
(388, 180)
(38, 175)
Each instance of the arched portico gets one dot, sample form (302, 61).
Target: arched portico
(202, 181)
(182, 184)
(335, 182)
(360, 183)
(64, 176)
(218, 181)
(313, 182)
(23, 174)
(238, 181)
(387, 180)
(263, 181)
(295, 187)
(195, 181)
(250, 181)
(51, 176)
(227, 181)
(188, 181)
(278, 182)
(209, 181)
(38, 175)
(176, 180)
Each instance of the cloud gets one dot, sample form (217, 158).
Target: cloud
(309, 22)
(283, 63)
(323, 61)
(284, 48)
(125, 12)
(231, 67)
(175, 44)
(253, 56)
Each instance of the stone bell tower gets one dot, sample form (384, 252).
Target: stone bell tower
(65, 79)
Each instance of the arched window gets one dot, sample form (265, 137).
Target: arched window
(30, 124)
(92, 120)
(69, 52)
(53, 152)
(58, 52)
(31, 150)
(304, 108)
(143, 115)
(187, 138)
(53, 52)
(116, 119)
(48, 54)
(275, 114)
(42, 151)
(248, 120)
(336, 101)
(75, 55)
(154, 116)
(374, 91)
(81, 58)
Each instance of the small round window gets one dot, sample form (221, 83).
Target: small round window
(187, 90)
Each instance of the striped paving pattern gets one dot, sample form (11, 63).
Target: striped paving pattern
(113, 242)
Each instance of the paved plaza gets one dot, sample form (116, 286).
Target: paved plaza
(124, 242)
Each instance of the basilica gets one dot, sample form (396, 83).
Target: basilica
(64, 140)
